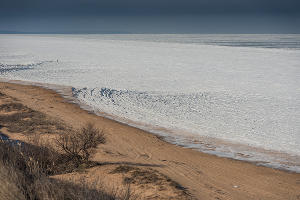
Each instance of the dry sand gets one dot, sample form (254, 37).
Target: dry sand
(205, 176)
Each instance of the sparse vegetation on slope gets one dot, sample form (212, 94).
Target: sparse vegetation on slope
(25, 167)
(22, 177)
(25, 120)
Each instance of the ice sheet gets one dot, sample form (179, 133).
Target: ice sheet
(243, 95)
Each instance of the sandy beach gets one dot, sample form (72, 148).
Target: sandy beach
(204, 176)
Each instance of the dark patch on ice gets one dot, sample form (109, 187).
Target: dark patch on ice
(18, 67)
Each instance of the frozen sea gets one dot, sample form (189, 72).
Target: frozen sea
(236, 96)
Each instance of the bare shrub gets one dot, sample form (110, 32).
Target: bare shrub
(79, 145)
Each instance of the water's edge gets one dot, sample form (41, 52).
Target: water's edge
(214, 146)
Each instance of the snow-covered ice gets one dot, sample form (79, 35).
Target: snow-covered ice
(193, 90)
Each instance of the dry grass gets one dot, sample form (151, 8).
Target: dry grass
(23, 173)
(9, 188)
(25, 120)
(76, 145)
(140, 176)
(123, 169)
(25, 167)
(12, 107)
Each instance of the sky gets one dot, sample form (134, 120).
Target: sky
(150, 16)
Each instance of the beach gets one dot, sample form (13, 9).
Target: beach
(233, 96)
(204, 176)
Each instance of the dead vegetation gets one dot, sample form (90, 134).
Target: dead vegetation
(8, 107)
(22, 177)
(25, 167)
(144, 177)
(79, 145)
(25, 120)
(73, 147)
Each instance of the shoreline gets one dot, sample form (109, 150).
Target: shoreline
(213, 146)
(202, 174)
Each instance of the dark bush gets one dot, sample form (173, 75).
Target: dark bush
(79, 145)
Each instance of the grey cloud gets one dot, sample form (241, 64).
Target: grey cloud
(157, 16)
(13, 8)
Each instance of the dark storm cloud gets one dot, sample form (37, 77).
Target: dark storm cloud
(14, 8)
(151, 16)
